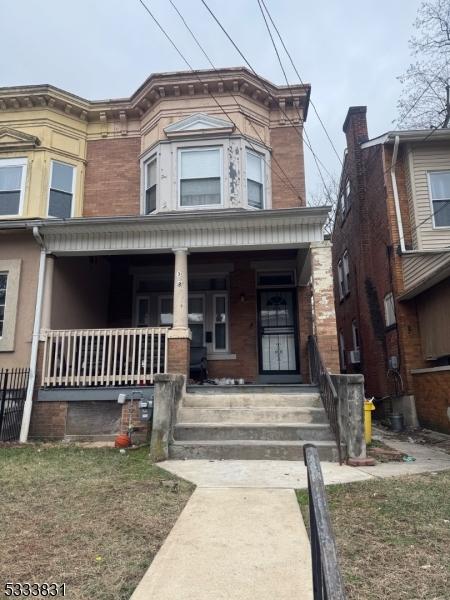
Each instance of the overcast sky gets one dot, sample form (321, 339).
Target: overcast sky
(351, 51)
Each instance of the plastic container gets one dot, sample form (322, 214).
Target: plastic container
(396, 422)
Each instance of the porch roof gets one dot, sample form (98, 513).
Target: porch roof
(198, 231)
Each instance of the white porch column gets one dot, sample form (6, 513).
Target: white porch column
(180, 293)
(48, 293)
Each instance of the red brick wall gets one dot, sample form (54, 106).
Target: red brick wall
(287, 149)
(178, 356)
(112, 183)
(305, 329)
(48, 420)
(433, 399)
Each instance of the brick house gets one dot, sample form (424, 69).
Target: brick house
(391, 265)
(169, 222)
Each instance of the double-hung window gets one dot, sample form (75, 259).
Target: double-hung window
(355, 335)
(344, 276)
(62, 183)
(220, 322)
(389, 310)
(440, 197)
(3, 284)
(200, 177)
(12, 185)
(255, 180)
(150, 186)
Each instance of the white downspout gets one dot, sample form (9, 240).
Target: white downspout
(395, 190)
(35, 339)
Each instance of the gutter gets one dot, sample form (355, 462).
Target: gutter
(396, 198)
(26, 418)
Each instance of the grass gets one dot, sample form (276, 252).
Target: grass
(393, 536)
(91, 518)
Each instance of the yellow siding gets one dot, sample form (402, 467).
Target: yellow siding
(425, 158)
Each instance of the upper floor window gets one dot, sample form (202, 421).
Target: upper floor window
(255, 180)
(344, 276)
(3, 283)
(150, 186)
(355, 335)
(62, 183)
(440, 197)
(345, 198)
(200, 177)
(12, 185)
(389, 310)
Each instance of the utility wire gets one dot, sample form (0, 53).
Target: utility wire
(300, 79)
(194, 37)
(160, 27)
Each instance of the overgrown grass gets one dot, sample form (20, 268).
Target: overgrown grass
(393, 536)
(91, 518)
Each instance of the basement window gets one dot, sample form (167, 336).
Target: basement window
(62, 183)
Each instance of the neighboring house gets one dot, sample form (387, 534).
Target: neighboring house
(162, 224)
(391, 262)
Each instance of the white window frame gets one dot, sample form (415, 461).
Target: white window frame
(227, 321)
(346, 273)
(341, 279)
(390, 317)
(180, 151)
(355, 335)
(429, 174)
(145, 163)
(342, 351)
(17, 162)
(74, 176)
(263, 177)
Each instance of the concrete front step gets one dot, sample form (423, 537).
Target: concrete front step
(252, 415)
(249, 450)
(302, 388)
(252, 431)
(256, 400)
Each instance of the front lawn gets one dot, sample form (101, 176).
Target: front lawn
(393, 536)
(91, 518)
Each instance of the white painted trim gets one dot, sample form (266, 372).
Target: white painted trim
(263, 159)
(225, 295)
(144, 163)
(182, 150)
(17, 162)
(74, 176)
(430, 197)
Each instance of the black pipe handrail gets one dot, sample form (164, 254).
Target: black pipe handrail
(321, 377)
(327, 579)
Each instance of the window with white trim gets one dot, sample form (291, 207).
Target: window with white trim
(196, 319)
(355, 334)
(346, 272)
(62, 183)
(255, 179)
(200, 177)
(150, 175)
(3, 285)
(12, 185)
(440, 197)
(341, 280)
(342, 351)
(220, 308)
(389, 310)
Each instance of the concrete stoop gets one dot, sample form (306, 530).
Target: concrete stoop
(265, 423)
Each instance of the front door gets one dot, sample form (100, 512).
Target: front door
(277, 332)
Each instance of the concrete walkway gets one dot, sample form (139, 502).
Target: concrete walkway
(241, 535)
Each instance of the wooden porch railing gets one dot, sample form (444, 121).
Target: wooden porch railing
(103, 357)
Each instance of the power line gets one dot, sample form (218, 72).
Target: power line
(160, 27)
(231, 93)
(301, 81)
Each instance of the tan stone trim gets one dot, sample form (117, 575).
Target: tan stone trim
(179, 333)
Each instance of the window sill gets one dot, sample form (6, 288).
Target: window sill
(221, 356)
(390, 327)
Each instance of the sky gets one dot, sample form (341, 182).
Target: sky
(350, 51)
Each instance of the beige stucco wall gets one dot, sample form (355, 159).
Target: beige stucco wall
(13, 246)
(80, 293)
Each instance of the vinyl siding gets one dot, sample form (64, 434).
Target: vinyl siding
(424, 158)
(419, 267)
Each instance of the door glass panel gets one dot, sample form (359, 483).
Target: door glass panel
(195, 320)
(277, 331)
(220, 319)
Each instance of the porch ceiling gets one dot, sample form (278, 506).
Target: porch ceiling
(208, 230)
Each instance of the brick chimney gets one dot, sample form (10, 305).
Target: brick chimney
(355, 126)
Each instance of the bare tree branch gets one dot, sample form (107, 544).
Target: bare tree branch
(326, 194)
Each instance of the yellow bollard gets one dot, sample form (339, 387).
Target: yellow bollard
(368, 408)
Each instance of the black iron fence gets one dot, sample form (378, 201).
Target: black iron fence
(321, 377)
(327, 579)
(13, 391)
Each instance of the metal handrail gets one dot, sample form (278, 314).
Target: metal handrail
(320, 376)
(327, 579)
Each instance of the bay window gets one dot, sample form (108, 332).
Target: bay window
(255, 180)
(12, 185)
(440, 197)
(200, 177)
(62, 181)
(150, 186)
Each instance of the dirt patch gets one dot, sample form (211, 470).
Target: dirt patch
(91, 518)
(393, 536)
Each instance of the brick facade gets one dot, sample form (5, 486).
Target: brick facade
(48, 420)
(178, 356)
(433, 399)
(287, 150)
(112, 183)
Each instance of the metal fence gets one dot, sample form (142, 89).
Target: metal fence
(321, 377)
(13, 391)
(327, 578)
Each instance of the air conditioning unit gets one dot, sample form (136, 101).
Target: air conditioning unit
(355, 358)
